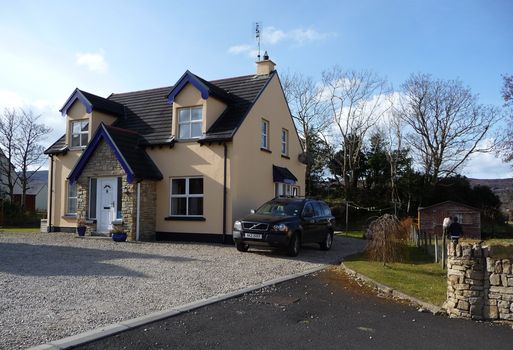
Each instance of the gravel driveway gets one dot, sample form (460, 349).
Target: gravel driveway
(56, 285)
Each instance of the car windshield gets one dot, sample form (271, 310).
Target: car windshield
(280, 209)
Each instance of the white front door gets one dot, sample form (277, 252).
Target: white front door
(107, 197)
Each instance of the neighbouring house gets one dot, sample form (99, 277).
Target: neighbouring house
(431, 218)
(36, 198)
(178, 162)
(3, 176)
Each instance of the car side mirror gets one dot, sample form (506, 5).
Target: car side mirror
(252, 211)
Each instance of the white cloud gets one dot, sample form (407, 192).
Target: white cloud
(272, 36)
(95, 62)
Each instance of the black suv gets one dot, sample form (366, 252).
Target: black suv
(286, 223)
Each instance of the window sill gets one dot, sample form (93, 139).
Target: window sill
(265, 150)
(91, 221)
(81, 148)
(285, 156)
(69, 216)
(117, 222)
(185, 218)
(194, 139)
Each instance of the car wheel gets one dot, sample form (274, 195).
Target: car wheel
(328, 241)
(241, 247)
(294, 245)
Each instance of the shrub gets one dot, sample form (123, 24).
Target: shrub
(388, 239)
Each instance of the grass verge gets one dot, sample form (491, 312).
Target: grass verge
(20, 229)
(416, 276)
(352, 234)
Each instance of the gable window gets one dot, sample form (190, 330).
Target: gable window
(265, 134)
(187, 196)
(284, 142)
(72, 199)
(79, 133)
(190, 123)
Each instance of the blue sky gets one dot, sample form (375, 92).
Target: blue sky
(47, 48)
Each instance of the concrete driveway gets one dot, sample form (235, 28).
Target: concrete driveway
(57, 285)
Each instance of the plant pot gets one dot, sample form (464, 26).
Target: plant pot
(81, 231)
(119, 237)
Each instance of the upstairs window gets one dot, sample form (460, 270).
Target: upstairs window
(265, 134)
(190, 123)
(79, 133)
(284, 142)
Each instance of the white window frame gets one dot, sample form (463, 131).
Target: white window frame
(189, 122)
(82, 132)
(284, 142)
(69, 198)
(264, 140)
(186, 195)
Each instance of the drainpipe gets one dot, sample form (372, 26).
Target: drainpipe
(224, 192)
(49, 227)
(138, 220)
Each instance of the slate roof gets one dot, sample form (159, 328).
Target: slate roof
(104, 104)
(148, 113)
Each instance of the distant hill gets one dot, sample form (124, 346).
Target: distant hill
(503, 188)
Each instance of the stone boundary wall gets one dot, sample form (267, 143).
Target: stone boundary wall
(479, 281)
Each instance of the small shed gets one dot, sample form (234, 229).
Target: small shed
(431, 218)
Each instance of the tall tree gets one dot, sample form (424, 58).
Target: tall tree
(309, 111)
(9, 128)
(20, 140)
(29, 151)
(357, 101)
(447, 123)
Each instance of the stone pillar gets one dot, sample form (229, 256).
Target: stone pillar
(465, 281)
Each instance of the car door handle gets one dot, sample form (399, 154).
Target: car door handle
(106, 207)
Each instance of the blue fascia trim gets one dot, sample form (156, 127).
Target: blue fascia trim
(100, 134)
(188, 78)
(74, 96)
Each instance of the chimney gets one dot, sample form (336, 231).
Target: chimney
(265, 66)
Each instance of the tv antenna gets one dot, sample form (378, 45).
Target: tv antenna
(257, 37)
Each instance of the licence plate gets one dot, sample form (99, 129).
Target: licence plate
(253, 235)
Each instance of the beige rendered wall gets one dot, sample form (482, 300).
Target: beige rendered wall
(191, 97)
(61, 168)
(252, 176)
(187, 159)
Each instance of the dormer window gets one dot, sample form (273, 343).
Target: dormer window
(79, 133)
(190, 123)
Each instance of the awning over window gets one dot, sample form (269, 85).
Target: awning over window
(283, 175)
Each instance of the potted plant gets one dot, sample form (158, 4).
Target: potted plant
(81, 227)
(118, 233)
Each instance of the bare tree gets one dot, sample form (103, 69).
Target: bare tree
(447, 123)
(20, 137)
(394, 147)
(28, 151)
(9, 127)
(309, 110)
(357, 101)
(507, 89)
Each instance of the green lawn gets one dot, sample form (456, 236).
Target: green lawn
(20, 229)
(417, 276)
(352, 234)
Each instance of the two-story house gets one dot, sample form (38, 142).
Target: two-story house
(178, 162)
